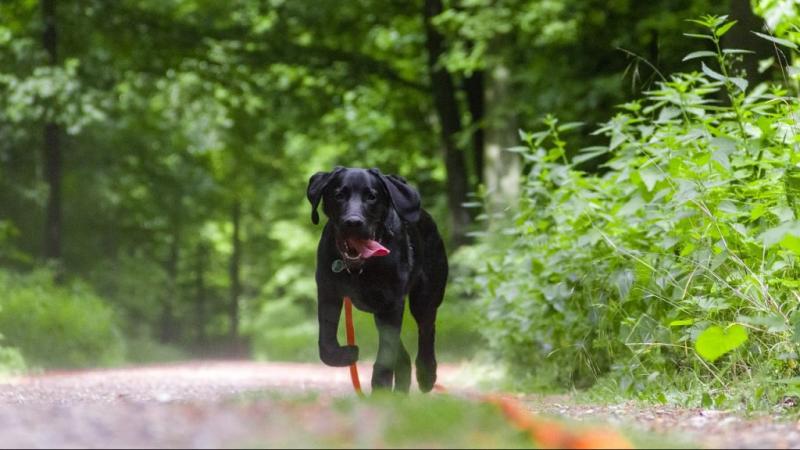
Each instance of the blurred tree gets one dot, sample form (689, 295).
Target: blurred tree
(52, 144)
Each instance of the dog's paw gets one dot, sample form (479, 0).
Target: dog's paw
(339, 357)
(426, 375)
(382, 377)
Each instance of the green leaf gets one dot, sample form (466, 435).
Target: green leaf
(724, 29)
(791, 242)
(700, 54)
(589, 153)
(778, 41)
(570, 126)
(681, 322)
(699, 36)
(737, 51)
(741, 83)
(714, 341)
(777, 234)
(715, 75)
(650, 177)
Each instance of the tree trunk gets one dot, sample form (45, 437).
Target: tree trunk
(474, 88)
(167, 332)
(502, 168)
(51, 150)
(235, 266)
(201, 306)
(446, 105)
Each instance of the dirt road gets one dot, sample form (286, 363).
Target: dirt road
(232, 404)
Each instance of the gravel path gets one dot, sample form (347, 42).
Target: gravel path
(232, 404)
(195, 405)
(679, 426)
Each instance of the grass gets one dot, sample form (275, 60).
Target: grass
(383, 421)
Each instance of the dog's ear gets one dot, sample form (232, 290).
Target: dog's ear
(316, 186)
(404, 198)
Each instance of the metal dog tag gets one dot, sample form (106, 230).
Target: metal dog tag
(337, 266)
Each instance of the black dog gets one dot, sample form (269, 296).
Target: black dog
(378, 246)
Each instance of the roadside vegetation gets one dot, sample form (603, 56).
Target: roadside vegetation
(669, 273)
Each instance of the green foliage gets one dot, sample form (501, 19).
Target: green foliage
(714, 341)
(56, 326)
(684, 244)
(282, 331)
(11, 361)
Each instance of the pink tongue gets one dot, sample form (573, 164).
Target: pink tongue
(367, 248)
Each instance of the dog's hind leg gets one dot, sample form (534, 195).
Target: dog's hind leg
(426, 355)
(424, 300)
(402, 371)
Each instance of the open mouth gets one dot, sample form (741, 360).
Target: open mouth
(355, 248)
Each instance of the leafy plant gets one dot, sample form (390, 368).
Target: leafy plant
(715, 341)
(56, 326)
(680, 257)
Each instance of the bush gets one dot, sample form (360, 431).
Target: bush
(680, 257)
(282, 331)
(11, 361)
(57, 326)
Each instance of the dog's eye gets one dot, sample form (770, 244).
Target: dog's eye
(339, 195)
(371, 196)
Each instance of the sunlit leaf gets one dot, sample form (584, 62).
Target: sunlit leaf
(724, 28)
(715, 341)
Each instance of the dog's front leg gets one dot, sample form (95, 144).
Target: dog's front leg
(389, 324)
(329, 308)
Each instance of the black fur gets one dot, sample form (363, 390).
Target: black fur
(367, 204)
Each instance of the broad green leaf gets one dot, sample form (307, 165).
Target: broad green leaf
(791, 242)
(758, 210)
(714, 341)
(650, 176)
(775, 235)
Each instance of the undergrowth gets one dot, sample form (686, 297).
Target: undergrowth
(47, 325)
(675, 265)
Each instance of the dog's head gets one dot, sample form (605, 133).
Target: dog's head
(357, 201)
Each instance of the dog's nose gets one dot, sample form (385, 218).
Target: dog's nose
(353, 222)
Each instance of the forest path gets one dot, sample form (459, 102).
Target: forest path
(231, 404)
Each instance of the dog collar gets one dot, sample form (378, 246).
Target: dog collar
(345, 261)
(339, 265)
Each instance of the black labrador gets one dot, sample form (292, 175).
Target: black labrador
(378, 246)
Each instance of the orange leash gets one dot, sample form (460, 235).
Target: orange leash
(543, 433)
(351, 340)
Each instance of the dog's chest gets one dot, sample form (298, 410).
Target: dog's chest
(373, 291)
